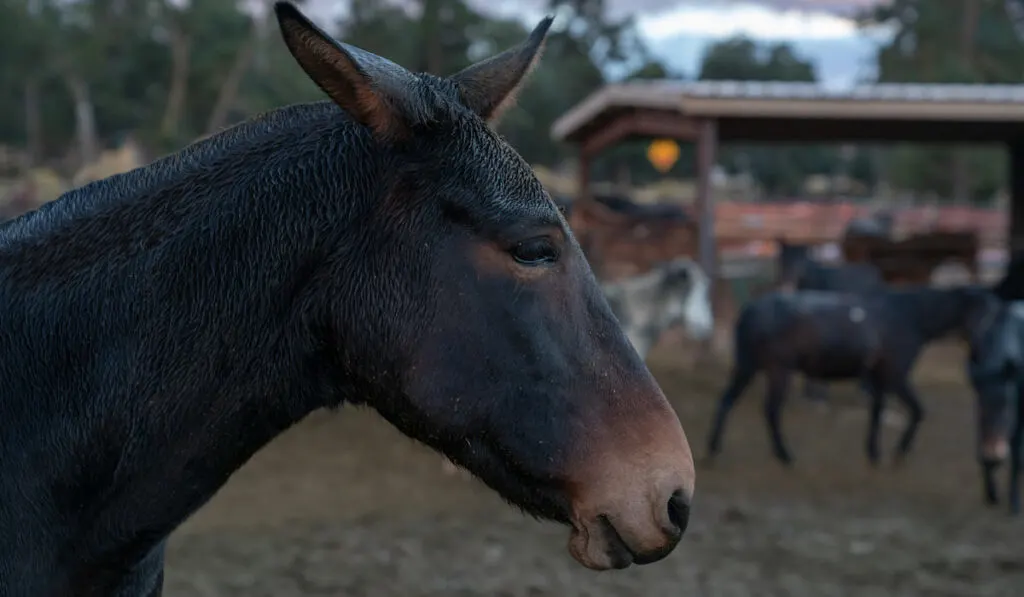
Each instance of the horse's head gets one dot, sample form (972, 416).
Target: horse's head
(672, 293)
(462, 309)
(685, 294)
(791, 263)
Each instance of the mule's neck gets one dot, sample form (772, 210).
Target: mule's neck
(148, 372)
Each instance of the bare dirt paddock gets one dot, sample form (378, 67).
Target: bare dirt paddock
(343, 506)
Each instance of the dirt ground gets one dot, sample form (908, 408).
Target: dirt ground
(344, 506)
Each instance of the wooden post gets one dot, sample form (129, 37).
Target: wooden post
(707, 148)
(1015, 234)
(583, 177)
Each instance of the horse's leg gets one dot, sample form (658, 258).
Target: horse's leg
(1016, 441)
(988, 482)
(915, 414)
(741, 377)
(875, 389)
(778, 380)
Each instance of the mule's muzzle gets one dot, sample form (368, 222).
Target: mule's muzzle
(612, 542)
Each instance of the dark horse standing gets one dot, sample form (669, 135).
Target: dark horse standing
(797, 270)
(828, 335)
(996, 371)
(385, 248)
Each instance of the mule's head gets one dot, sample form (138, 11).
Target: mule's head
(993, 369)
(461, 308)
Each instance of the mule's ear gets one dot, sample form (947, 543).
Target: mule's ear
(370, 88)
(490, 86)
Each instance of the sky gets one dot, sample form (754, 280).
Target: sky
(679, 31)
(842, 54)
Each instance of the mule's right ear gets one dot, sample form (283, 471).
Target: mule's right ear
(368, 87)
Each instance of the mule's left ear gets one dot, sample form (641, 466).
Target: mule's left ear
(372, 89)
(490, 86)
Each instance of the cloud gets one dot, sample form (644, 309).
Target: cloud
(840, 62)
(747, 18)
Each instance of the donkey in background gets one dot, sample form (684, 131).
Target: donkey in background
(798, 270)
(996, 371)
(828, 335)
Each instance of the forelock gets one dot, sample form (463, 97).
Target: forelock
(469, 149)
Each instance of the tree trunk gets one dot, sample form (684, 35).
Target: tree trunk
(181, 46)
(33, 122)
(85, 117)
(430, 31)
(228, 93)
(959, 168)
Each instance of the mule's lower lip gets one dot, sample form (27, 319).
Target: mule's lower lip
(617, 554)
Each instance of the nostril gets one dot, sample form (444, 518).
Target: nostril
(679, 511)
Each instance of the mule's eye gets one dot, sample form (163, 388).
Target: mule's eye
(535, 251)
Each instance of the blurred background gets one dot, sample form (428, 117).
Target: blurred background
(344, 506)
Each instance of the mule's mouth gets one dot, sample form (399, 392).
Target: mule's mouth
(597, 544)
(623, 532)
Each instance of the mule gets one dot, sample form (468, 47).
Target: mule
(996, 371)
(798, 270)
(673, 293)
(880, 224)
(384, 248)
(840, 336)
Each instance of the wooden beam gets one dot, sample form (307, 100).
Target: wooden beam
(639, 124)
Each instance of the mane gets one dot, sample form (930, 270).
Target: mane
(432, 101)
(285, 124)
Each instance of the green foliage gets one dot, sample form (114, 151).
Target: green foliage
(134, 58)
(970, 41)
(780, 171)
(169, 71)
